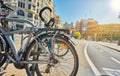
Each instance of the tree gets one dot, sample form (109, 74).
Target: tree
(77, 35)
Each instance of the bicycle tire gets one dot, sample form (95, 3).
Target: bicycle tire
(72, 50)
(2, 56)
(2, 59)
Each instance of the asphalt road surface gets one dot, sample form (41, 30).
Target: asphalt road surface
(103, 60)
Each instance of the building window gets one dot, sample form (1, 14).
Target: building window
(33, 7)
(18, 4)
(37, 10)
(23, 5)
(30, 15)
(29, 6)
(20, 12)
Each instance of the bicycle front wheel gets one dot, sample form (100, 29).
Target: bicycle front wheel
(65, 55)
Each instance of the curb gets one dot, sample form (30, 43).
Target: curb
(109, 47)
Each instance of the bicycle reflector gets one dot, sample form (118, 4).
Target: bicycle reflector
(64, 45)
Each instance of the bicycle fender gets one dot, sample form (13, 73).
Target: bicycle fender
(64, 36)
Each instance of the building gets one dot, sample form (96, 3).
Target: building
(29, 9)
(58, 22)
(91, 32)
(104, 32)
(68, 25)
(91, 29)
(83, 25)
(78, 27)
(108, 32)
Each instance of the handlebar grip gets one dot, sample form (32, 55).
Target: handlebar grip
(41, 11)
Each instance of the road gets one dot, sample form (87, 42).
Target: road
(84, 67)
(103, 60)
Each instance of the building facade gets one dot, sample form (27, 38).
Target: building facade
(108, 32)
(104, 32)
(68, 25)
(78, 27)
(83, 26)
(58, 22)
(29, 9)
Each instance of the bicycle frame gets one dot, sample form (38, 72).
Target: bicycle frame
(8, 37)
(31, 30)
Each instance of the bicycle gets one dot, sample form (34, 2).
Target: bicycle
(52, 40)
(39, 49)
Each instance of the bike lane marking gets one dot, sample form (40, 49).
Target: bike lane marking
(115, 60)
(95, 70)
(112, 72)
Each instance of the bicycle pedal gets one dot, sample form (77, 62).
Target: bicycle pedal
(36, 53)
(31, 69)
(47, 70)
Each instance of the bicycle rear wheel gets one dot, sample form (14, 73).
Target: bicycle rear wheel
(66, 64)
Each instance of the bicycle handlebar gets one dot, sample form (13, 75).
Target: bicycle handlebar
(6, 7)
(18, 20)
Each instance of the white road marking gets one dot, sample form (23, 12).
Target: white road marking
(115, 60)
(95, 70)
(112, 72)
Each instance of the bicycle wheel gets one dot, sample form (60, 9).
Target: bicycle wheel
(2, 56)
(2, 59)
(65, 65)
(31, 68)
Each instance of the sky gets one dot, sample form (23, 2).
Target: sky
(103, 11)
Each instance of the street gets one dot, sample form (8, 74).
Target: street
(104, 61)
(94, 60)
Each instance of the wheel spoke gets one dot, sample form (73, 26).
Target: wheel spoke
(64, 54)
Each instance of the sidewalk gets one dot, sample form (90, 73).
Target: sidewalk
(110, 45)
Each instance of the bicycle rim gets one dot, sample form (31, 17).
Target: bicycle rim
(67, 62)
